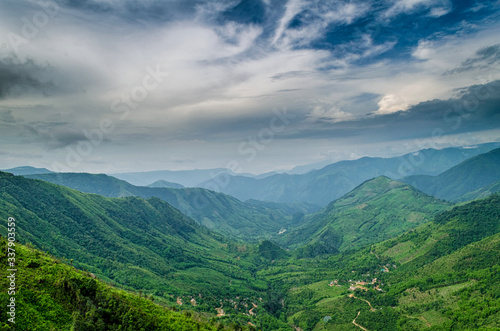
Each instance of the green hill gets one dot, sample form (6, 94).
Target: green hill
(51, 295)
(217, 211)
(146, 246)
(471, 175)
(442, 275)
(378, 209)
(136, 243)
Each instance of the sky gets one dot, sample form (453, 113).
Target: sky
(254, 86)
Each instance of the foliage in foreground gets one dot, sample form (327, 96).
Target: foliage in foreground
(54, 296)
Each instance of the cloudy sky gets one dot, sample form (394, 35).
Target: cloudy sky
(258, 85)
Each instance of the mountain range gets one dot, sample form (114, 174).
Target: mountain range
(384, 256)
(187, 178)
(476, 173)
(322, 186)
(217, 211)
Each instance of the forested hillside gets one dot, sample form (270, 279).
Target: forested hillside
(219, 212)
(52, 295)
(378, 209)
(137, 244)
(443, 275)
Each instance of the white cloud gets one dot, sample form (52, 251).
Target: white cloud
(390, 104)
(321, 15)
(223, 73)
(293, 7)
(436, 8)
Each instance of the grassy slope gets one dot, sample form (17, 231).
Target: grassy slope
(54, 296)
(376, 210)
(443, 275)
(141, 244)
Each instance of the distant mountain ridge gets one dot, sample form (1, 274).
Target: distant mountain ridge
(26, 170)
(333, 181)
(164, 183)
(456, 183)
(187, 178)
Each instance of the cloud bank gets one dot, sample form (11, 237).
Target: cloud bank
(195, 79)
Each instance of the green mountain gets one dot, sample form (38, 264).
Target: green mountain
(219, 212)
(376, 210)
(442, 275)
(322, 186)
(51, 295)
(141, 244)
(164, 183)
(146, 246)
(482, 192)
(471, 175)
(385, 256)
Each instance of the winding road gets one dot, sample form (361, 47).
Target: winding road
(354, 322)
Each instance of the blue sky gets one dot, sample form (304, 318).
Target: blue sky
(121, 85)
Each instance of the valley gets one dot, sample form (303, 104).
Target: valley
(96, 253)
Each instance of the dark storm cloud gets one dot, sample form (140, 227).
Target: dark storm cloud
(20, 77)
(486, 57)
(56, 135)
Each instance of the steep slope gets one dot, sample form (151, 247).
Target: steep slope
(220, 212)
(448, 233)
(470, 175)
(54, 296)
(376, 210)
(333, 181)
(141, 244)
